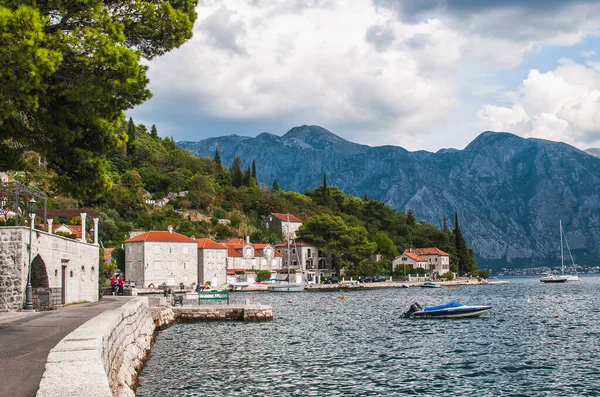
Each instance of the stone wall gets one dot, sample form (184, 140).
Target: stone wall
(103, 356)
(78, 259)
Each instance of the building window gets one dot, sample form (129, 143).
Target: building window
(171, 249)
(71, 273)
(184, 265)
(56, 273)
(156, 249)
(436, 259)
(157, 265)
(171, 265)
(185, 250)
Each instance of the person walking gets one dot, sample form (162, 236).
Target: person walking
(113, 284)
(121, 283)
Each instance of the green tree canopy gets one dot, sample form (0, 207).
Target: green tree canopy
(343, 244)
(69, 69)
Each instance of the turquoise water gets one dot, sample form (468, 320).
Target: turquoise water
(540, 340)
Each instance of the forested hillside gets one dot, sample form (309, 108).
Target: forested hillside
(200, 191)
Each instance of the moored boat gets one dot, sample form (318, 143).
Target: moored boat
(551, 278)
(449, 310)
(429, 284)
(496, 281)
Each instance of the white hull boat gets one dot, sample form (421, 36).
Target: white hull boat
(449, 310)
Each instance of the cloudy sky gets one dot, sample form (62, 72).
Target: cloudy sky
(424, 74)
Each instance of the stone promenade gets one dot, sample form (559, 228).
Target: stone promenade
(27, 338)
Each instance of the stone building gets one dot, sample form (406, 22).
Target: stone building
(64, 268)
(212, 262)
(431, 259)
(242, 255)
(161, 258)
(305, 257)
(285, 224)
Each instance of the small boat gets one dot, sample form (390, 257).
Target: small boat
(429, 284)
(286, 287)
(449, 310)
(496, 281)
(551, 278)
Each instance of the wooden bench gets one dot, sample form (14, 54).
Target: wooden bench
(213, 295)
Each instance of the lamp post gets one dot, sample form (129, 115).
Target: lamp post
(28, 292)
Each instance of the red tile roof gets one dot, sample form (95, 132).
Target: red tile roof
(156, 235)
(233, 252)
(75, 229)
(413, 256)
(235, 241)
(257, 253)
(208, 243)
(232, 271)
(430, 251)
(285, 217)
(108, 253)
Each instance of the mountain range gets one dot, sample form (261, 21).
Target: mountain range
(509, 192)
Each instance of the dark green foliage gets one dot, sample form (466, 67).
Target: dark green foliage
(262, 275)
(217, 158)
(154, 132)
(275, 186)
(465, 256)
(247, 177)
(254, 169)
(411, 220)
(236, 172)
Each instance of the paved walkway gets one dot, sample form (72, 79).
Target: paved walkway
(27, 338)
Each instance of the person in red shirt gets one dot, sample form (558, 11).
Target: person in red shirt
(121, 282)
(113, 284)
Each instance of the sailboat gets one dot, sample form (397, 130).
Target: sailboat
(563, 278)
(285, 285)
(570, 277)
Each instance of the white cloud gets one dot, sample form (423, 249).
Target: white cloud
(369, 75)
(560, 105)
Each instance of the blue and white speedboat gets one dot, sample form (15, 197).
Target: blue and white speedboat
(449, 310)
(429, 284)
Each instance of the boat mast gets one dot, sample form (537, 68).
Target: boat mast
(289, 262)
(562, 255)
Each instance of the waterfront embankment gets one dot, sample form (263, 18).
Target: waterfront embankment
(103, 356)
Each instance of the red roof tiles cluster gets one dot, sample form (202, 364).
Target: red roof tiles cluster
(286, 217)
(425, 251)
(235, 246)
(156, 235)
(414, 256)
(208, 243)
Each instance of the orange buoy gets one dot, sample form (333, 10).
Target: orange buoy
(343, 297)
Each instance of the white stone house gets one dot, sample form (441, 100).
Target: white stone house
(161, 258)
(212, 262)
(431, 259)
(71, 266)
(242, 255)
(286, 224)
(305, 257)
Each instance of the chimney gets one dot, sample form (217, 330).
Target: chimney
(170, 229)
(247, 239)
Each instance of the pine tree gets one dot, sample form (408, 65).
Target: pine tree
(217, 158)
(236, 172)
(275, 186)
(254, 169)
(325, 181)
(153, 131)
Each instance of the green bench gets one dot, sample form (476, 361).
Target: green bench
(213, 295)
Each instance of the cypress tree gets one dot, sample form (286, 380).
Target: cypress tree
(325, 181)
(445, 224)
(254, 169)
(247, 178)
(411, 220)
(153, 131)
(275, 186)
(236, 172)
(462, 252)
(217, 158)
(130, 131)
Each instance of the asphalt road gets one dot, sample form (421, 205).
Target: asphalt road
(27, 338)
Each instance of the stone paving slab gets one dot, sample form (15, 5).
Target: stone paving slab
(26, 339)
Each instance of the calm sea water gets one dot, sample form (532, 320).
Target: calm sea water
(540, 340)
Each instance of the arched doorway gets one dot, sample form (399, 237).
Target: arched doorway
(39, 275)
